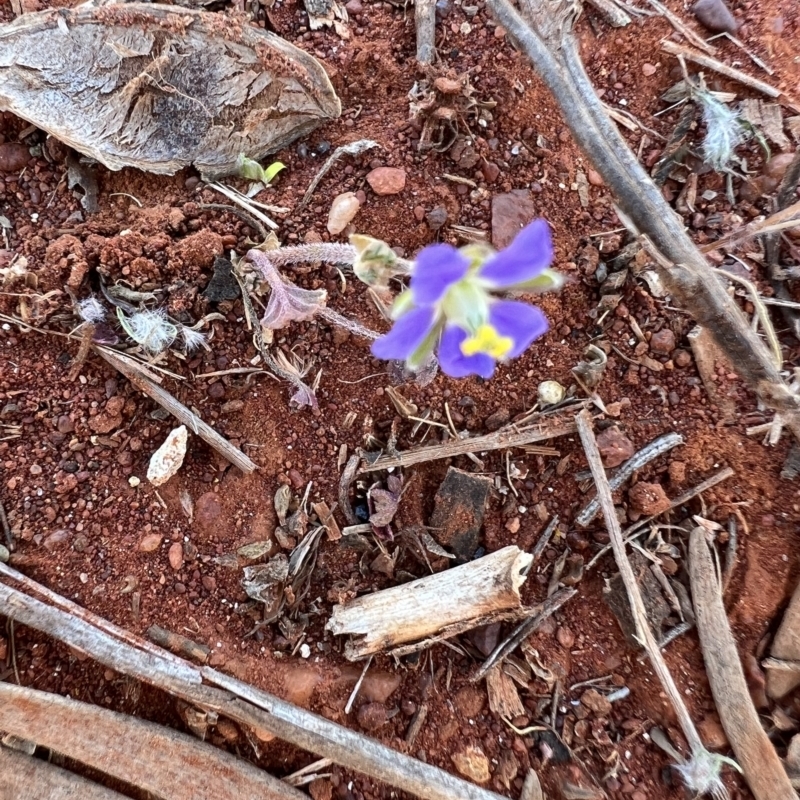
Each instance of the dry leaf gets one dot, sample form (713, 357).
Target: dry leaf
(159, 88)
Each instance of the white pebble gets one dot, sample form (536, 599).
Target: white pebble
(167, 460)
(343, 208)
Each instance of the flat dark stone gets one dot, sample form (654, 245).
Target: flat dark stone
(458, 512)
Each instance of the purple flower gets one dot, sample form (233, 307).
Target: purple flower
(450, 302)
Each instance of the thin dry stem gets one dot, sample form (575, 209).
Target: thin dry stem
(644, 634)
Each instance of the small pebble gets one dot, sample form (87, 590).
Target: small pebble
(615, 447)
(565, 637)
(715, 15)
(216, 391)
(648, 70)
(663, 342)
(176, 556)
(387, 180)
(372, 716)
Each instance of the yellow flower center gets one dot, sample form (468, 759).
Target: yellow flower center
(487, 340)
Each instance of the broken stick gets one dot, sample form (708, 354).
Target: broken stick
(416, 611)
(509, 436)
(425, 19)
(178, 410)
(760, 763)
(699, 754)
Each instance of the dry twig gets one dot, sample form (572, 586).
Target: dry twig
(510, 436)
(130, 370)
(701, 772)
(675, 49)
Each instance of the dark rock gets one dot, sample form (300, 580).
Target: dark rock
(496, 421)
(13, 157)
(223, 285)
(436, 218)
(486, 637)
(715, 15)
(458, 512)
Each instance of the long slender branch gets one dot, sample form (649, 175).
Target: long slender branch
(643, 632)
(754, 751)
(549, 43)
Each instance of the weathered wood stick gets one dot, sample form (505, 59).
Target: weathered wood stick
(126, 653)
(425, 20)
(151, 757)
(760, 763)
(507, 437)
(179, 411)
(24, 776)
(675, 49)
(418, 610)
(179, 644)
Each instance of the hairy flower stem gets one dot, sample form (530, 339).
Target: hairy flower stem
(309, 253)
(335, 318)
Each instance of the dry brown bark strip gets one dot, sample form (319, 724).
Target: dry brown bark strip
(757, 757)
(151, 757)
(506, 437)
(545, 35)
(129, 655)
(24, 776)
(179, 411)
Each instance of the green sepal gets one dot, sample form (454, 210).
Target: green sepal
(547, 281)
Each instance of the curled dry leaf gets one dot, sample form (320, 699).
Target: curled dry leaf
(167, 460)
(282, 501)
(264, 582)
(159, 88)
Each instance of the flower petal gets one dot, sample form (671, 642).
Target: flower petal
(406, 335)
(436, 269)
(529, 254)
(454, 363)
(520, 322)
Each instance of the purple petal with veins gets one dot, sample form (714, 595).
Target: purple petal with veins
(519, 322)
(406, 335)
(527, 256)
(436, 269)
(457, 365)
(287, 301)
